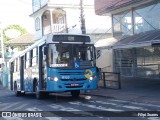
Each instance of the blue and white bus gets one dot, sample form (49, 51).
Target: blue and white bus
(56, 63)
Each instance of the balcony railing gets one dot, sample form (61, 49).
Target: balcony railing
(56, 28)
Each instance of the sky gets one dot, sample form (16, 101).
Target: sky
(16, 12)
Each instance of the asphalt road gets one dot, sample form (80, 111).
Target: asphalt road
(64, 107)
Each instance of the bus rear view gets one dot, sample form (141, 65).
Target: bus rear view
(71, 64)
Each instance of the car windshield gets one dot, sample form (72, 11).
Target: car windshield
(71, 55)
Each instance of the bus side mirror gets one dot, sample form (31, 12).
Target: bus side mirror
(45, 51)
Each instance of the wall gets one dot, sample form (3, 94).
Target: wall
(105, 60)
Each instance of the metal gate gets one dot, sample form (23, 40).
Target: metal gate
(111, 80)
(138, 62)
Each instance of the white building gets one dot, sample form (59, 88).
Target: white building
(136, 26)
(64, 16)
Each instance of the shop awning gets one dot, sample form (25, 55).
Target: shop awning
(105, 43)
(139, 40)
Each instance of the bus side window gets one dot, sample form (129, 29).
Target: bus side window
(51, 56)
(12, 67)
(15, 65)
(34, 58)
(27, 59)
(89, 52)
(30, 58)
(19, 61)
(37, 55)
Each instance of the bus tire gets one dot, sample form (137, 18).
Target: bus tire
(17, 93)
(75, 93)
(23, 93)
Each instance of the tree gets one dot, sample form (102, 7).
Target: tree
(21, 30)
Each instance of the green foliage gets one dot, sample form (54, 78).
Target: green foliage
(16, 27)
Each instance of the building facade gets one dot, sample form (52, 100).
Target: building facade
(136, 26)
(67, 16)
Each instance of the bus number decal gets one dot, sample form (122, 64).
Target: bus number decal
(65, 77)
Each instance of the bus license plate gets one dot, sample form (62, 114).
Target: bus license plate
(74, 84)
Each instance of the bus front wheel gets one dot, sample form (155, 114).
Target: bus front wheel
(75, 93)
(17, 93)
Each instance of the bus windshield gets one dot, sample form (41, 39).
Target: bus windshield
(71, 55)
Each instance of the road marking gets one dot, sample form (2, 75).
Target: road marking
(20, 107)
(69, 109)
(153, 118)
(94, 106)
(122, 101)
(136, 103)
(134, 107)
(4, 104)
(12, 118)
(9, 106)
(106, 103)
(125, 106)
(53, 118)
(34, 109)
(62, 108)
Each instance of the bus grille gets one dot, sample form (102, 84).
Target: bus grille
(71, 73)
(74, 79)
(74, 86)
(73, 76)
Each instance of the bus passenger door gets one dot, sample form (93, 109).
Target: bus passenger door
(22, 73)
(11, 75)
(42, 68)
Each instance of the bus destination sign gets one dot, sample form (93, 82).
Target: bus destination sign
(70, 38)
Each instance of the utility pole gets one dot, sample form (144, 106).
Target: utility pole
(82, 19)
(3, 61)
(2, 45)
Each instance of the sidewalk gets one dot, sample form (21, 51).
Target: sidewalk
(143, 91)
(3, 88)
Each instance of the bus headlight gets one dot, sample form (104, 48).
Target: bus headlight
(55, 79)
(91, 78)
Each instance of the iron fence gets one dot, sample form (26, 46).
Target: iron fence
(111, 80)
